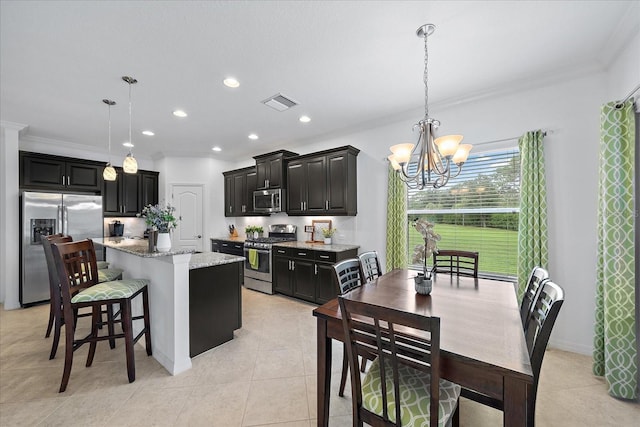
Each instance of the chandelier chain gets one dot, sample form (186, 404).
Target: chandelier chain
(425, 77)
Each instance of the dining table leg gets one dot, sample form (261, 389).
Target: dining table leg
(515, 403)
(324, 373)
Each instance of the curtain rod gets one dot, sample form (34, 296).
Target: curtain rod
(620, 103)
(544, 133)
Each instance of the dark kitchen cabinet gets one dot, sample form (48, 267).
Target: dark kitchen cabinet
(281, 277)
(148, 188)
(307, 274)
(129, 193)
(239, 186)
(323, 183)
(270, 169)
(42, 171)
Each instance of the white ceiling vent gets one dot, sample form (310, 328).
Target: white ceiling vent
(279, 102)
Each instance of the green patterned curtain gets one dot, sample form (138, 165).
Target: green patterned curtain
(396, 222)
(614, 355)
(532, 225)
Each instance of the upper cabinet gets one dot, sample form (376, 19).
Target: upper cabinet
(323, 183)
(42, 171)
(239, 186)
(129, 193)
(271, 169)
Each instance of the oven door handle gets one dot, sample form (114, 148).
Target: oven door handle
(260, 251)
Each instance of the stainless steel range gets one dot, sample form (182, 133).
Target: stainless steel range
(258, 256)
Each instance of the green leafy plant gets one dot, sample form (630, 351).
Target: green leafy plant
(328, 232)
(249, 229)
(160, 218)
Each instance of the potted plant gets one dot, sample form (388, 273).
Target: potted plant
(254, 231)
(328, 233)
(163, 220)
(423, 252)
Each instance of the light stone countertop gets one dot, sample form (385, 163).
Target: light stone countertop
(317, 246)
(139, 247)
(210, 259)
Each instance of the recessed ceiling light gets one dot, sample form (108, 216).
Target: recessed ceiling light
(305, 119)
(148, 133)
(128, 144)
(253, 136)
(179, 113)
(231, 82)
(217, 149)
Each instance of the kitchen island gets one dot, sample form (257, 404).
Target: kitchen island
(182, 282)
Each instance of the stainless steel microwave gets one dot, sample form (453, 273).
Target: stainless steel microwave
(267, 200)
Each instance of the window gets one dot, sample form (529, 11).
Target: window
(476, 211)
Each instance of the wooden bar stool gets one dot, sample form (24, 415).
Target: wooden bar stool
(78, 278)
(56, 318)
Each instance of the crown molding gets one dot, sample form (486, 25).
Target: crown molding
(622, 34)
(20, 127)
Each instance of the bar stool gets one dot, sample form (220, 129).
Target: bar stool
(56, 318)
(78, 278)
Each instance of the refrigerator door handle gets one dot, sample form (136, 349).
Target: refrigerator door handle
(65, 222)
(59, 222)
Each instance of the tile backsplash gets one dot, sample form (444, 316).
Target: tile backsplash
(133, 227)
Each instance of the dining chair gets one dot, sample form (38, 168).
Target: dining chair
(538, 276)
(347, 275)
(403, 385)
(369, 266)
(541, 320)
(460, 263)
(78, 277)
(56, 318)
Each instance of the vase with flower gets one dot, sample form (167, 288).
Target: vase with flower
(163, 220)
(423, 281)
(328, 233)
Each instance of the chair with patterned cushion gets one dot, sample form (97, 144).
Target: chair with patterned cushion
(403, 385)
(56, 320)
(538, 276)
(460, 263)
(78, 277)
(542, 317)
(347, 275)
(369, 266)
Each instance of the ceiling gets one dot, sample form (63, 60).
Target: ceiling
(349, 64)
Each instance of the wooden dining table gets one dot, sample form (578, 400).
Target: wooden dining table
(481, 336)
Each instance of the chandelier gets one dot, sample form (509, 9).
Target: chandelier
(430, 161)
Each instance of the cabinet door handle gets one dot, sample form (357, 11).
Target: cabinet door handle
(302, 253)
(63, 179)
(324, 256)
(280, 251)
(301, 206)
(293, 265)
(326, 205)
(315, 267)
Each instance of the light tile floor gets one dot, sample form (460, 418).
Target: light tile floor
(265, 376)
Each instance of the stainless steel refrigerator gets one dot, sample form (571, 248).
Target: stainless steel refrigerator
(42, 214)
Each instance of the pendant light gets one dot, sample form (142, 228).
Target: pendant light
(430, 162)
(109, 173)
(130, 165)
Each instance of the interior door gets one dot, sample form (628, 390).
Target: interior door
(187, 200)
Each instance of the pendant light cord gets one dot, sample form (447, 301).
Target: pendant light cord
(130, 142)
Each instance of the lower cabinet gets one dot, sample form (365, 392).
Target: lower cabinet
(307, 274)
(215, 306)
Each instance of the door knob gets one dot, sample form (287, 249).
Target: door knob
(199, 236)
